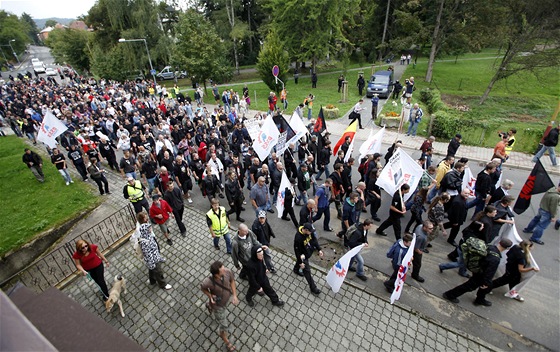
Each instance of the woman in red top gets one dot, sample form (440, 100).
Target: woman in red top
(89, 259)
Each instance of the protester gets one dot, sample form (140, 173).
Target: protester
(422, 233)
(35, 163)
(304, 246)
(396, 212)
(258, 281)
(60, 162)
(354, 237)
(97, 174)
(548, 211)
(549, 143)
(396, 254)
(151, 252)
(89, 261)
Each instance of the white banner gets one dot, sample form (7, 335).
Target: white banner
(266, 139)
(51, 127)
(510, 232)
(338, 272)
(400, 169)
(403, 270)
(372, 145)
(299, 128)
(281, 194)
(469, 181)
(252, 126)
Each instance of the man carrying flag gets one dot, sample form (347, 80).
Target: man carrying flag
(400, 260)
(349, 132)
(338, 272)
(538, 182)
(547, 214)
(354, 237)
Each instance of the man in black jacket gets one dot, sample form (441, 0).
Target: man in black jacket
(483, 279)
(262, 229)
(452, 183)
(324, 160)
(174, 197)
(234, 195)
(289, 195)
(354, 237)
(304, 245)
(454, 145)
(107, 150)
(483, 188)
(34, 163)
(258, 281)
(457, 214)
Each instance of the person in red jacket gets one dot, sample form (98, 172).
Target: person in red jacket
(160, 211)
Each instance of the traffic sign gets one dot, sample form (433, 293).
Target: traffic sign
(275, 71)
(152, 72)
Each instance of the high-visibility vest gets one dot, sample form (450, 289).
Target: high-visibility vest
(219, 221)
(509, 147)
(135, 193)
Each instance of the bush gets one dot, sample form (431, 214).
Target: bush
(445, 125)
(432, 99)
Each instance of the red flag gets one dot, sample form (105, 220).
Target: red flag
(349, 132)
(538, 182)
(320, 124)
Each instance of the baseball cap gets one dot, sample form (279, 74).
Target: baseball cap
(262, 214)
(309, 227)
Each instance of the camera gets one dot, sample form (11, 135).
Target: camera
(502, 134)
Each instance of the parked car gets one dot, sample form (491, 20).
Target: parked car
(381, 83)
(39, 67)
(51, 71)
(168, 73)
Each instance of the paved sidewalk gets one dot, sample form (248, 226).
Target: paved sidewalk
(352, 320)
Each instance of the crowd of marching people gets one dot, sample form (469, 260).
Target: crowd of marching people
(175, 148)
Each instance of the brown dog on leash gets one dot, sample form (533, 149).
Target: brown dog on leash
(115, 294)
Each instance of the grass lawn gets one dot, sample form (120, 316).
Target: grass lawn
(30, 207)
(524, 101)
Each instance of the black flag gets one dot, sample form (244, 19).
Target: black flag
(537, 182)
(320, 124)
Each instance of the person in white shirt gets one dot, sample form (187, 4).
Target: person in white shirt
(356, 113)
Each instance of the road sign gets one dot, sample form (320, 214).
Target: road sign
(152, 72)
(275, 71)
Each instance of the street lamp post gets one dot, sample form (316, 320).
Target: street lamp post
(122, 40)
(13, 51)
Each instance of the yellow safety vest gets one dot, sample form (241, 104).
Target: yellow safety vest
(219, 221)
(135, 192)
(509, 147)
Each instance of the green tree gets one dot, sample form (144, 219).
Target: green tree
(71, 46)
(530, 38)
(199, 48)
(12, 31)
(31, 26)
(272, 54)
(50, 23)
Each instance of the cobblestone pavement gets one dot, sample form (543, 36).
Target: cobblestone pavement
(352, 320)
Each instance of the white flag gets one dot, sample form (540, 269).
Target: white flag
(403, 270)
(51, 127)
(299, 128)
(469, 181)
(372, 145)
(509, 231)
(400, 169)
(281, 194)
(338, 272)
(266, 138)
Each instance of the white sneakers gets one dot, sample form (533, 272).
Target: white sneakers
(189, 200)
(514, 295)
(168, 287)
(67, 183)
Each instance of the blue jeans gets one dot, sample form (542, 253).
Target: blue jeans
(151, 184)
(412, 127)
(360, 267)
(539, 223)
(302, 197)
(264, 207)
(66, 175)
(326, 171)
(433, 193)
(228, 241)
(478, 203)
(458, 264)
(551, 154)
(309, 114)
(131, 174)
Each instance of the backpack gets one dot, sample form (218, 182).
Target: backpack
(306, 102)
(474, 251)
(349, 233)
(391, 252)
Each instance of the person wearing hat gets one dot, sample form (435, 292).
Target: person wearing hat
(454, 145)
(160, 211)
(374, 104)
(289, 195)
(241, 250)
(258, 280)
(262, 229)
(304, 245)
(134, 191)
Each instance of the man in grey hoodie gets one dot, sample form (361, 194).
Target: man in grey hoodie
(241, 249)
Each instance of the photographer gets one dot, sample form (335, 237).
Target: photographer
(500, 148)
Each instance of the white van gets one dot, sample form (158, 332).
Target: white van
(39, 67)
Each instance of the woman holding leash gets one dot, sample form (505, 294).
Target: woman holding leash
(89, 260)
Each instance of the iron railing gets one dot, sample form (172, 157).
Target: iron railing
(58, 265)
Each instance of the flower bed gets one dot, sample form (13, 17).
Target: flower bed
(331, 113)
